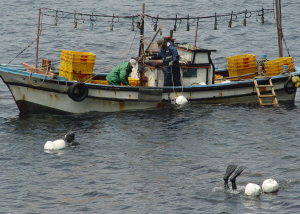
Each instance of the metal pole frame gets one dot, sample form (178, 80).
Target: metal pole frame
(37, 41)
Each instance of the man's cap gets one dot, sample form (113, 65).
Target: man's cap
(132, 62)
(160, 42)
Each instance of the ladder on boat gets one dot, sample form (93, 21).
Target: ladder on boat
(261, 97)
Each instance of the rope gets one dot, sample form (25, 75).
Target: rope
(147, 23)
(22, 51)
(112, 64)
(131, 43)
(64, 14)
(66, 86)
(39, 84)
(288, 51)
(174, 86)
(83, 14)
(211, 16)
(40, 33)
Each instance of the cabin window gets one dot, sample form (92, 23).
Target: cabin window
(191, 72)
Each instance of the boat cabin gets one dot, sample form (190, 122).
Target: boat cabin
(196, 66)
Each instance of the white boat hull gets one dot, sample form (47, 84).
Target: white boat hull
(34, 92)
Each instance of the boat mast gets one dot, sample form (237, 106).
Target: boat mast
(279, 26)
(37, 41)
(196, 32)
(141, 49)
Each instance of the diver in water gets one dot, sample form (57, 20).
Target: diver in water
(268, 186)
(70, 138)
(229, 171)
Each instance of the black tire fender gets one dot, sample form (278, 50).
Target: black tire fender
(78, 91)
(289, 89)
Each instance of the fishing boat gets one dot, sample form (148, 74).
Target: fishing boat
(79, 90)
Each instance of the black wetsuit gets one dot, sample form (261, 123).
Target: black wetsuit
(73, 143)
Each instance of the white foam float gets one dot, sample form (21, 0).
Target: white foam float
(181, 100)
(270, 186)
(252, 189)
(55, 145)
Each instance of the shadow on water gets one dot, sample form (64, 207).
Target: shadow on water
(168, 117)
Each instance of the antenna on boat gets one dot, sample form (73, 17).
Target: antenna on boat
(279, 26)
(37, 41)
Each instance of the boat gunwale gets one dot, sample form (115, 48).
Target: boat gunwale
(217, 86)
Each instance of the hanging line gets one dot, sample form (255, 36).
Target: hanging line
(177, 19)
(155, 24)
(130, 49)
(93, 20)
(132, 24)
(231, 19)
(284, 42)
(211, 16)
(187, 24)
(246, 17)
(112, 23)
(175, 26)
(147, 23)
(22, 51)
(75, 20)
(262, 16)
(56, 19)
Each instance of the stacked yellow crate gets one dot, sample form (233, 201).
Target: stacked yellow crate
(103, 82)
(275, 67)
(241, 64)
(132, 82)
(77, 65)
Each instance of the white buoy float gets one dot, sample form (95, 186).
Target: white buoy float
(270, 186)
(55, 145)
(252, 189)
(60, 144)
(181, 100)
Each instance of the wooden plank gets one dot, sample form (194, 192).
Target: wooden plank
(271, 95)
(263, 86)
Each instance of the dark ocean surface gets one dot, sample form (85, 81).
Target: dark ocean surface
(168, 160)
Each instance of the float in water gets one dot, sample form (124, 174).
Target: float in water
(251, 189)
(69, 141)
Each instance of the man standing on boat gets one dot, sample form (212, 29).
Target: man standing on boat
(121, 73)
(170, 58)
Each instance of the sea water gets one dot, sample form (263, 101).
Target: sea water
(168, 160)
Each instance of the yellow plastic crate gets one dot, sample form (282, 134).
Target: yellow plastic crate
(241, 59)
(82, 62)
(285, 60)
(85, 77)
(103, 82)
(275, 66)
(238, 72)
(69, 75)
(85, 67)
(133, 82)
(272, 73)
(75, 55)
(241, 66)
